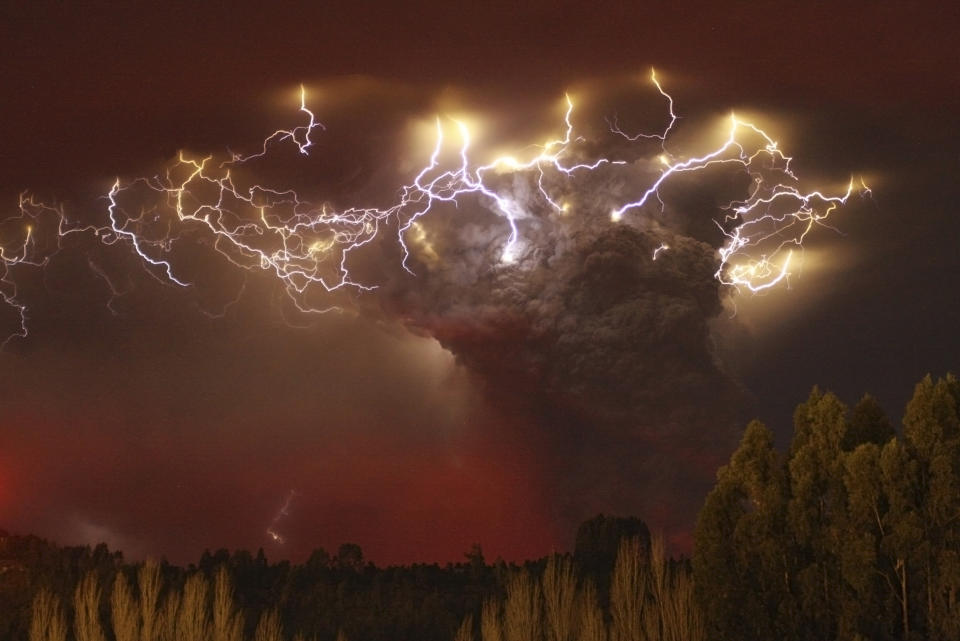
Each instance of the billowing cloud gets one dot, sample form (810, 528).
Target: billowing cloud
(591, 334)
(607, 348)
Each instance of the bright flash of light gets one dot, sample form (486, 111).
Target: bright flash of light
(284, 511)
(20, 247)
(308, 247)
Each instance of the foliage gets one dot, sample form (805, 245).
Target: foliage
(854, 534)
(553, 599)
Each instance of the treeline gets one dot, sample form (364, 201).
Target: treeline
(327, 597)
(139, 613)
(48, 591)
(853, 533)
(649, 598)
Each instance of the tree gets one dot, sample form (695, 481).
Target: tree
(491, 628)
(124, 612)
(902, 527)
(227, 621)
(268, 628)
(167, 617)
(319, 560)
(350, 557)
(932, 432)
(868, 424)
(559, 596)
(193, 618)
(683, 620)
(598, 542)
(815, 510)
(477, 563)
(86, 604)
(741, 552)
(869, 578)
(47, 622)
(522, 611)
(628, 592)
(591, 626)
(465, 631)
(148, 580)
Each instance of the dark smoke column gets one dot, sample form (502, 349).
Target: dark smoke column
(607, 350)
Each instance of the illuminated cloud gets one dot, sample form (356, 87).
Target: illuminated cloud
(575, 277)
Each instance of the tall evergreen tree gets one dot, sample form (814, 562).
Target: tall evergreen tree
(932, 431)
(868, 424)
(718, 585)
(741, 555)
(598, 541)
(815, 510)
(902, 527)
(869, 579)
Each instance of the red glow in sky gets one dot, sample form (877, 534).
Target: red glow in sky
(165, 432)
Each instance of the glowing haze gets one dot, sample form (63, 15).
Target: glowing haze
(505, 384)
(542, 189)
(575, 278)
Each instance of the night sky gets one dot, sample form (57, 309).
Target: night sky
(432, 416)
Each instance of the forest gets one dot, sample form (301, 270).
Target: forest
(852, 532)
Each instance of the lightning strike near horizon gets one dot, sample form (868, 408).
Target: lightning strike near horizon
(284, 511)
(308, 247)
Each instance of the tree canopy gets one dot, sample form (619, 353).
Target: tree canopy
(854, 533)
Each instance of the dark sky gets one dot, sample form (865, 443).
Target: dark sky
(436, 420)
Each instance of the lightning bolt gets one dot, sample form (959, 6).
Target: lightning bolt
(20, 248)
(282, 513)
(308, 247)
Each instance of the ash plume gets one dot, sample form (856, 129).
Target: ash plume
(607, 350)
(577, 281)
